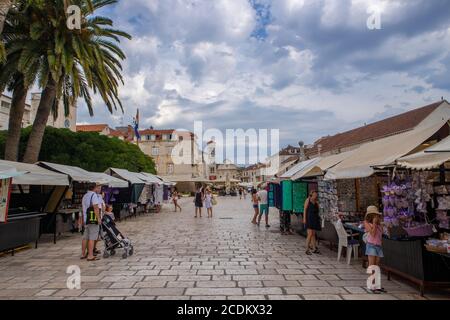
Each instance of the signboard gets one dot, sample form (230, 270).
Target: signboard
(286, 191)
(5, 189)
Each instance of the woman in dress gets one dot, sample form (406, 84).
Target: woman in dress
(255, 202)
(208, 202)
(311, 220)
(198, 201)
(175, 197)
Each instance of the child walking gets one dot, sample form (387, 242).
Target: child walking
(374, 234)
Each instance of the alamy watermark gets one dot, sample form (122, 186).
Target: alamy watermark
(242, 147)
(374, 19)
(74, 280)
(73, 17)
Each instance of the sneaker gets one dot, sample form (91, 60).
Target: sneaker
(309, 253)
(375, 291)
(317, 251)
(267, 226)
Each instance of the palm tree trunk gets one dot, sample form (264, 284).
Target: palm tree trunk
(5, 5)
(40, 122)
(15, 123)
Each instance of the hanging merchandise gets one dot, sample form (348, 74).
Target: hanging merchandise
(346, 192)
(300, 194)
(405, 202)
(328, 199)
(286, 189)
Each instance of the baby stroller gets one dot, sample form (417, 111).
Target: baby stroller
(114, 239)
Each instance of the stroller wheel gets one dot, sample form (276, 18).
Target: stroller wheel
(113, 252)
(105, 255)
(124, 255)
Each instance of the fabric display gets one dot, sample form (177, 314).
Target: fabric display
(346, 192)
(443, 219)
(328, 199)
(398, 204)
(368, 193)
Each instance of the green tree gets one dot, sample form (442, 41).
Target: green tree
(90, 151)
(67, 64)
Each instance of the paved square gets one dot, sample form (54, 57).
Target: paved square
(180, 257)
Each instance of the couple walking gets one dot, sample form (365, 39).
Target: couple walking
(205, 196)
(260, 206)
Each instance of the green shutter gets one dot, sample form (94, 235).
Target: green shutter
(271, 195)
(299, 194)
(286, 189)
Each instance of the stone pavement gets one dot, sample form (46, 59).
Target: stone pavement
(180, 257)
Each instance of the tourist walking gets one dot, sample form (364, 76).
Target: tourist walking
(91, 218)
(373, 239)
(175, 197)
(255, 202)
(240, 193)
(311, 220)
(209, 202)
(198, 201)
(263, 206)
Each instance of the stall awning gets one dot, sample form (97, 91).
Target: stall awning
(36, 175)
(322, 165)
(166, 181)
(151, 178)
(131, 177)
(110, 181)
(299, 167)
(75, 173)
(383, 152)
(430, 158)
(8, 171)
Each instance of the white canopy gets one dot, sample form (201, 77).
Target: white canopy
(151, 178)
(7, 171)
(322, 165)
(430, 158)
(75, 173)
(381, 153)
(32, 174)
(111, 181)
(131, 177)
(299, 167)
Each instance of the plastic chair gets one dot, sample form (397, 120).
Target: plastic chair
(344, 241)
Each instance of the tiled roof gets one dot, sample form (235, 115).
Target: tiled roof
(91, 127)
(377, 130)
(155, 131)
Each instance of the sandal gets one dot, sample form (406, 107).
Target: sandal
(309, 253)
(317, 251)
(375, 291)
(83, 257)
(93, 259)
(382, 290)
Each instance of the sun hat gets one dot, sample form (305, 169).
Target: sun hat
(372, 210)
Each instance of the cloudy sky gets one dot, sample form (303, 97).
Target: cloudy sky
(307, 67)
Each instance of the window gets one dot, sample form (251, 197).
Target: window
(170, 168)
(180, 139)
(5, 105)
(155, 151)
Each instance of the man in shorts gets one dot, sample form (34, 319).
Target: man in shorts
(91, 219)
(263, 206)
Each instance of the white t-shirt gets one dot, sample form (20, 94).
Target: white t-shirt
(262, 194)
(86, 202)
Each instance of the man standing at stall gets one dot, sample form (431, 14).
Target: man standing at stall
(91, 219)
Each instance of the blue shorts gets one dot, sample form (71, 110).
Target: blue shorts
(374, 250)
(263, 209)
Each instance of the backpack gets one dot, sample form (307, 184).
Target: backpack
(91, 218)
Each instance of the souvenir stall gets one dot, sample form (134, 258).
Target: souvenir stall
(157, 191)
(33, 194)
(371, 177)
(127, 200)
(67, 211)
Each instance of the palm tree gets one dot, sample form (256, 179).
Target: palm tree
(69, 64)
(5, 5)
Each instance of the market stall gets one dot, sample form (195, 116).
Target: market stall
(370, 177)
(64, 216)
(127, 200)
(32, 195)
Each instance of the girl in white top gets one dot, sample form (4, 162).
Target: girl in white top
(208, 202)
